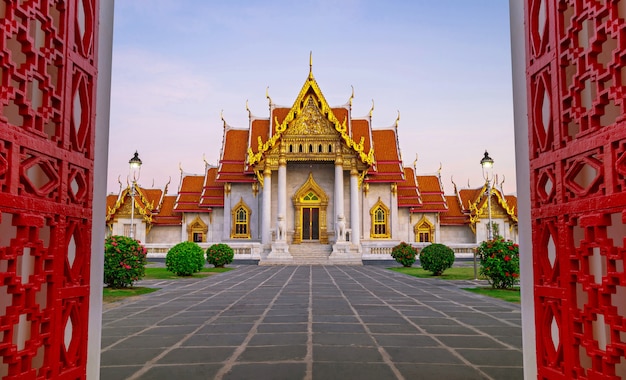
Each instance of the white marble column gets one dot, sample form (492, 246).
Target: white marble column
(339, 212)
(355, 217)
(266, 237)
(282, 195)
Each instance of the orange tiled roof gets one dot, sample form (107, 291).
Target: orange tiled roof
(212, 192)
(233, 162)
(166, 215)
(259, 128)
(342, 114)
(188, 198)
(454, 215)
(361, 128)
(408, 193)
(388, 167)
(279, 113)
(433, 198)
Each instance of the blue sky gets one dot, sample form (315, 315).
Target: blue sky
(444, 65)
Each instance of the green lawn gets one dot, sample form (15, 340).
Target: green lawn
(163, 274)
(509, 295)
(464, 273)
(112, 295)
(454, 273)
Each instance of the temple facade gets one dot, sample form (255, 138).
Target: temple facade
(311, 183)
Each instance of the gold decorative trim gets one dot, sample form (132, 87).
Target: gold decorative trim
(298, 200)
(477, 210)
(424, 225)
(197, 225)
(234, 234)
(386, 234)
(296, 109)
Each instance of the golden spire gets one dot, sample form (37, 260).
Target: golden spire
(310, 64)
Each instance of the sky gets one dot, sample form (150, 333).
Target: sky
(443, 66)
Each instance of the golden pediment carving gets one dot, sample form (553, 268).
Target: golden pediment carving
(311, 121)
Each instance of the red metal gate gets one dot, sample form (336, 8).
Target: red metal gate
(576, 80)
(47, 114)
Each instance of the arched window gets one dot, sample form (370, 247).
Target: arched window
(300, 149)
(241, 221)
(310, 148)
(380, 221)
(319, 149)
(330, 148)
(423, 231)
(197, 230)
(290, 148)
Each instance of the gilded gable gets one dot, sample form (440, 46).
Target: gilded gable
(310, 122)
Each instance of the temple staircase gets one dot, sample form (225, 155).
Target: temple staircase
(310, 253)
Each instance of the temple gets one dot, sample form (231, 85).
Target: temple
(311, 183)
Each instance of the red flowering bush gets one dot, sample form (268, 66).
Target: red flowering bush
(220, 255)
(404, 254)
(499, 262)
(124, 261)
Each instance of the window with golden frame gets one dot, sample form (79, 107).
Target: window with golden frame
(241, 221)
(380, 221)
(424, 231)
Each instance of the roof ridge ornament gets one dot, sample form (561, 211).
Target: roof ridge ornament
(372, 109)
(397, 119)
(311, 64)
(267, 95)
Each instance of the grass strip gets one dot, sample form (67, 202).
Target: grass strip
(509, 295)
(454, 273)
(112, 295)
(162, 273)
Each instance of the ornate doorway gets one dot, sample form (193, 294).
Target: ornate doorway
(310, 202)
(310, 223)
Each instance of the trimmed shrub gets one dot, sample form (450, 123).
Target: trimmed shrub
(184, 259)
(124, 261)
(219, 255)
(499, 262)
(404, 254)
(436, 258)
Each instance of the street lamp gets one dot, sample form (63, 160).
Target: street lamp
(135, 167)
(487, 164)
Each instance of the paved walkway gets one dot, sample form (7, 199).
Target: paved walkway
(311, 322)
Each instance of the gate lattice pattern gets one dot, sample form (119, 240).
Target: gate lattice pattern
(576, 77)
(47, 116)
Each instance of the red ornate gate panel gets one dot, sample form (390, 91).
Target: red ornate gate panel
(47, 115)
(576, 81)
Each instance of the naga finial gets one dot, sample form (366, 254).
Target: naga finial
(397, 119)
(267, 94)
(372, 109)
(351, 96)
(415, 163)
(248, 109)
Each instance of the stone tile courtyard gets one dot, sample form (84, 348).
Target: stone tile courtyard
(311, 322)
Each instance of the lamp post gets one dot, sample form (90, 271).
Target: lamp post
(135, 167)
(487, 164)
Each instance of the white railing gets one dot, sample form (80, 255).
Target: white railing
(242, 251)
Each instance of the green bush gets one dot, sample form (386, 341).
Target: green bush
(499, 262)
(124, 261)
(404, 254)
(436, 258)
(184, 259)
(219, 255)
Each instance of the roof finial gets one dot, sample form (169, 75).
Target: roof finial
(372, 109)
(248, 109)
(468, 184)
(167, 185)
(397, 119)
(180, 167)
(206, 164)
(351, 96)
(311, 64)
(439, 170)
(415, 163)
(454, 184)
(222, 117)
(267, 95)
